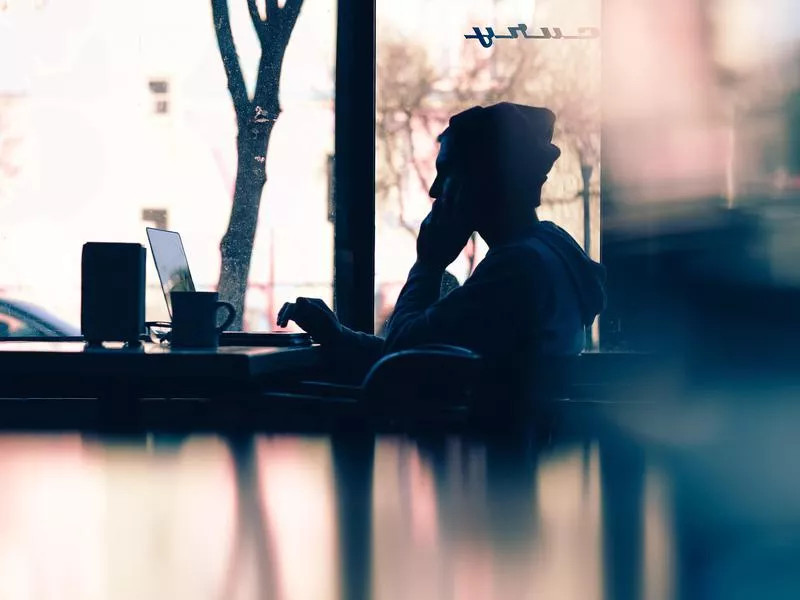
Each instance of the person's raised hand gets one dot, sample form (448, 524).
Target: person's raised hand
(443, 234)
(314, 317)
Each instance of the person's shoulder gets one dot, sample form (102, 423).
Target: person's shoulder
(520, 257)
(519, 249)
(527, 248)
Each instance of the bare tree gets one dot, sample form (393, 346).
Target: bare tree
(255, 118)
(415, 101)
(405, 85)
(570, 87)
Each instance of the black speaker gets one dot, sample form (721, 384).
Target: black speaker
(112, 292)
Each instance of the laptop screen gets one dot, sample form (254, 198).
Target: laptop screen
(171, 262)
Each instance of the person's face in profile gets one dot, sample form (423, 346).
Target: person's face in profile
(450, 187)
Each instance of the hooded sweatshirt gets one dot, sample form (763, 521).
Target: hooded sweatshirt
(535, 295)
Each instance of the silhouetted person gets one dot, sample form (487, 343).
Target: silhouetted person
(536, 290)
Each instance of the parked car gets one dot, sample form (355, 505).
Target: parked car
(23, 319)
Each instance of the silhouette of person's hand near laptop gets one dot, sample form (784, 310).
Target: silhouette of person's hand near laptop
(314, 317)
(536, 290)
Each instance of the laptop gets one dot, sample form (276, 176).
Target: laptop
(172, 266)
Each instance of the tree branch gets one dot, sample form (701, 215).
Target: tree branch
(413, 155)
(255, 17)
(272, 9)
(277, 32)
(290, 12)
(230, 59)
(401, 205)
(385, 181)
(268, 81)
(392, 181)
(426, 122)
(507, 87)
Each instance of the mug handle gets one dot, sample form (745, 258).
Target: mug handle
(231, 315)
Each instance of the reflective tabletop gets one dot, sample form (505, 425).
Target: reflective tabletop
(697, 501)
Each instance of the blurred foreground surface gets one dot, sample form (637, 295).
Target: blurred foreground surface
(699, 499)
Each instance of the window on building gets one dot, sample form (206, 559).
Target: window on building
(157, 217)
(159, 88)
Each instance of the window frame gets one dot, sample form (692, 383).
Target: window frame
(354, 165)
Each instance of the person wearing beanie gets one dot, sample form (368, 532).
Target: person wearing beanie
(536, 290)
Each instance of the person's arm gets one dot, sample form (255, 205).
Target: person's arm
(421, 290)
(356, 341)
(499, 302)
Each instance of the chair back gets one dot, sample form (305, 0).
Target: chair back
(427, 378)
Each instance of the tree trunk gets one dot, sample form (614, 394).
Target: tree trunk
(255, 119)
(236, 247)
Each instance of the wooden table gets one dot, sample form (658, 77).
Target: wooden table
(21, 360)
(57, 376)
(65, 384)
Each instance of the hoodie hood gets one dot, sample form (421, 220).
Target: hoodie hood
(588, 276)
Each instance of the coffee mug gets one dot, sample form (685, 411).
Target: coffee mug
(194, 319)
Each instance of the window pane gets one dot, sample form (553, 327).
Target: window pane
(428, 71)
(116, 117)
